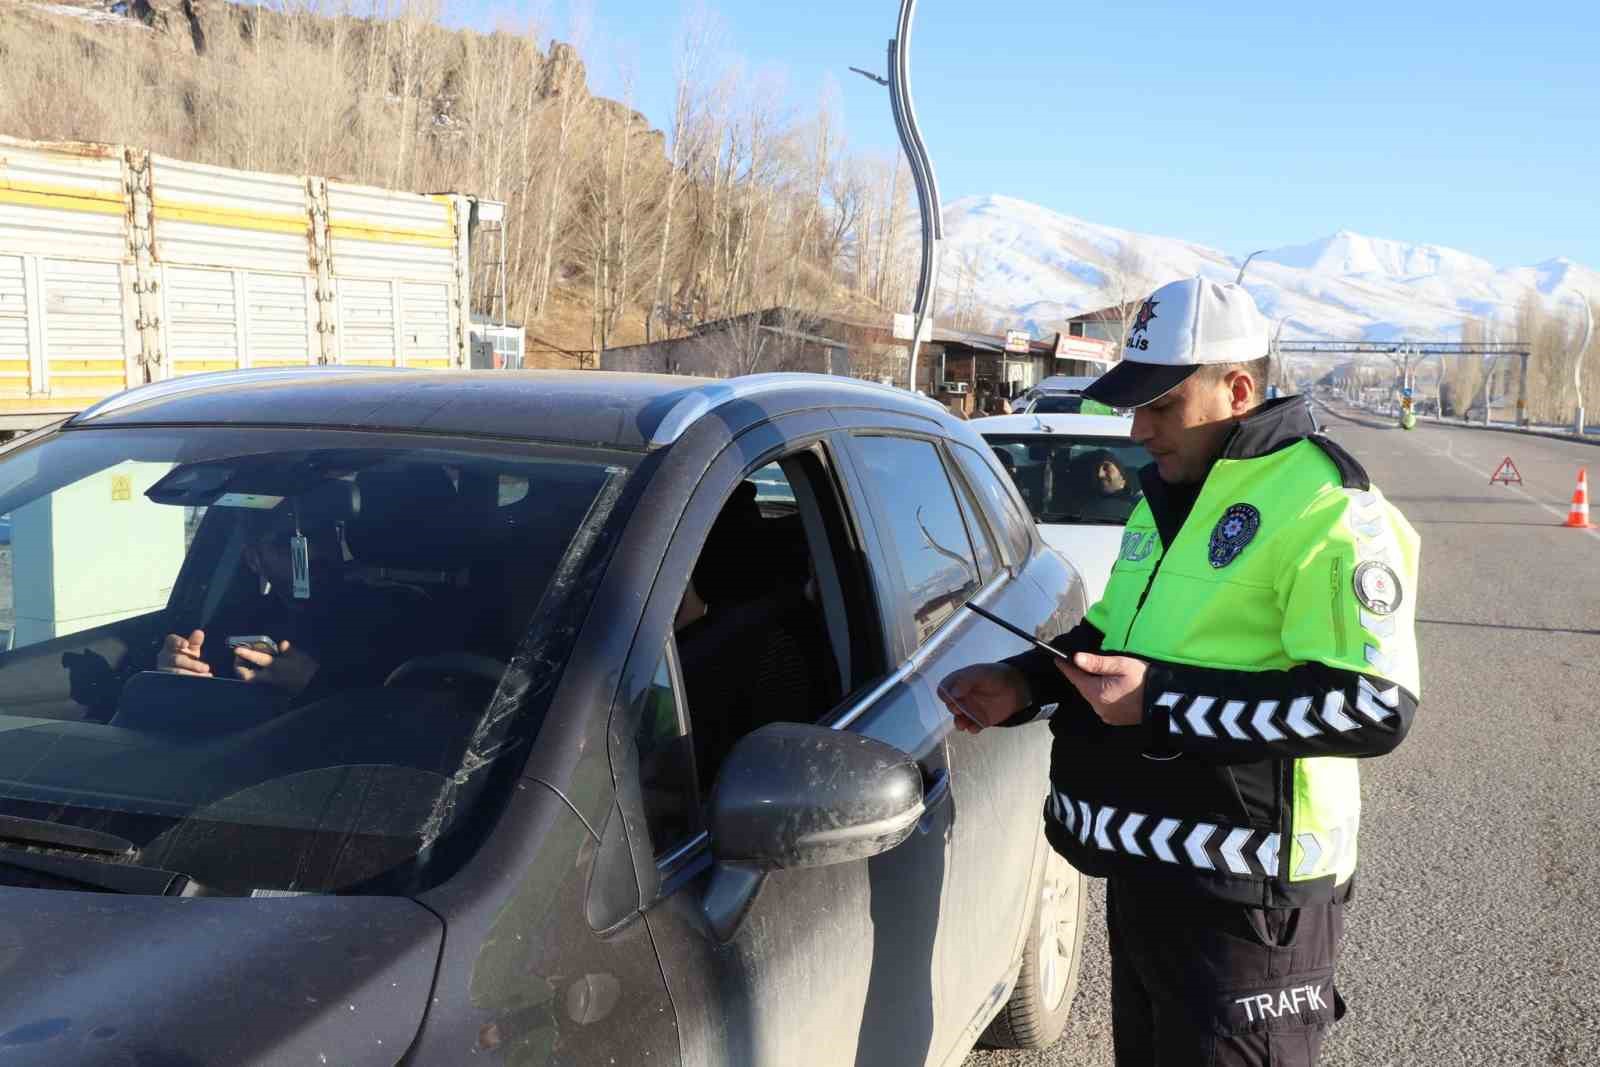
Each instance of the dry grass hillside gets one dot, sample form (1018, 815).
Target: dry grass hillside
(615, 231)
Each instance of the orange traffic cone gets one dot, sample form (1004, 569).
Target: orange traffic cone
(1578, 517)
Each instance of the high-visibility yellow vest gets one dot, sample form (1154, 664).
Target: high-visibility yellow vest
(1279, 623)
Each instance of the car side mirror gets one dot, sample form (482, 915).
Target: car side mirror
(792, 795)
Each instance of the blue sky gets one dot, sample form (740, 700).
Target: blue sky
(1237, 125)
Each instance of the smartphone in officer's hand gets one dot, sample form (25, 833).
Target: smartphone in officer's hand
(1020, 632)
(256, 643)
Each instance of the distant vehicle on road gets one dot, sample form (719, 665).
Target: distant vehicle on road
(1079, 475)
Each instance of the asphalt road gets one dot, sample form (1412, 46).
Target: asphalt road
(1475, 934)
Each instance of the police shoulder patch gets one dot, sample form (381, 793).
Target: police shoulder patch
(1378, 587)
(1233, 531)
(1137, 545)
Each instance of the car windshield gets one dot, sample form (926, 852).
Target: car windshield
(282, 660)
(1073, 479)
(1057, 404)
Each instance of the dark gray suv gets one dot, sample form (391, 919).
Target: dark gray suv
(381, 717)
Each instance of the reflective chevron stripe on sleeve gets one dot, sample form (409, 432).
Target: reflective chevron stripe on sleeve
(1306, 717)
(1377, 706)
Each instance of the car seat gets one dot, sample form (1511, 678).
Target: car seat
(761, 654)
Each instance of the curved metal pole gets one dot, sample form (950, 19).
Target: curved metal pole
(1577, 362)
(905, 121)
(1277, 354)
(1240, 279)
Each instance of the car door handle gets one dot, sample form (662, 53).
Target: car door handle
(935, 791)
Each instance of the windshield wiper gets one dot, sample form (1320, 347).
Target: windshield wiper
(85, 859)
(62, 835)
(97, 873)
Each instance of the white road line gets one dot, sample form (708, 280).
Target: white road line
(1450, 454)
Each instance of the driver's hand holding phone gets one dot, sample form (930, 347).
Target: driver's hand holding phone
(257, 659)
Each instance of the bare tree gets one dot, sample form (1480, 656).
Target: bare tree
(1128, 282)
(566, 101)
(821, 164)
(741, 207)
(694, 41)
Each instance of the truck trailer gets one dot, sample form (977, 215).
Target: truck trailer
(119, 266)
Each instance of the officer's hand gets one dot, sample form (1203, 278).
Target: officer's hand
(181, 655)
(289, 669)
(1113, 686)
(983, 695)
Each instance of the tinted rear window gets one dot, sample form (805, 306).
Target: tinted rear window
(1058, 405)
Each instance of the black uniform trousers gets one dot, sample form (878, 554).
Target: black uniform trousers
(1202, 983)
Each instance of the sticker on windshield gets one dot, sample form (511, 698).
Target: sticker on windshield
(258, 501)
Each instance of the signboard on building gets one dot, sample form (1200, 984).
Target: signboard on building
(905, 323)
(1090, 348)
(1017, 342)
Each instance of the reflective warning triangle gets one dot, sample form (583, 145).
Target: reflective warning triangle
(1507, 472)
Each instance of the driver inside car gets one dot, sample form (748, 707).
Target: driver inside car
(344, 635)
(1093, 486)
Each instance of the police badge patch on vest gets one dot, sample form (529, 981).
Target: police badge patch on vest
(1233, 531)
(1378, 587)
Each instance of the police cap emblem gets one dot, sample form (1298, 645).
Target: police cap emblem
(1378, 587)
(1233, 531)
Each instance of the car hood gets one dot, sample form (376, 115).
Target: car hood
(93, 978)
(1090, 549)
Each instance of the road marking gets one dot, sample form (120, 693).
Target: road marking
(1450, 454)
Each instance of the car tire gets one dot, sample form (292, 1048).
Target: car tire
(1037, 1012)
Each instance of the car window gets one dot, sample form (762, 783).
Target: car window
(773, 625)
(983, 537)
(414, 600)
(920, 517)
(1000, 502)
(38, 603)
(666, 759)
(1055, 404)
(772, 486)
(1073, 480)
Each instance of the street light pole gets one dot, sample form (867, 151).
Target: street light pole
(1577, 362)
(1277, 354)
(905, 124)
(1240, 279)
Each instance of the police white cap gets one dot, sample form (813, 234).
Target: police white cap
(1180, 328)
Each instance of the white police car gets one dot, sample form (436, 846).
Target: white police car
(1079, 475)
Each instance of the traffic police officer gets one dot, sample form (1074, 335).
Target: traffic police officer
(1254, 640)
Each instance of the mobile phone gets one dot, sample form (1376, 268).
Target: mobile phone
(255, 642)
(1020, 632)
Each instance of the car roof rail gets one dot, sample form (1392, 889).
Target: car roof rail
(171, 387)
(705, 399)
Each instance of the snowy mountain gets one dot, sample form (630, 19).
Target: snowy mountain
(1027, 262)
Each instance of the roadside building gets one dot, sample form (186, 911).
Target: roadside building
(961, 369)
